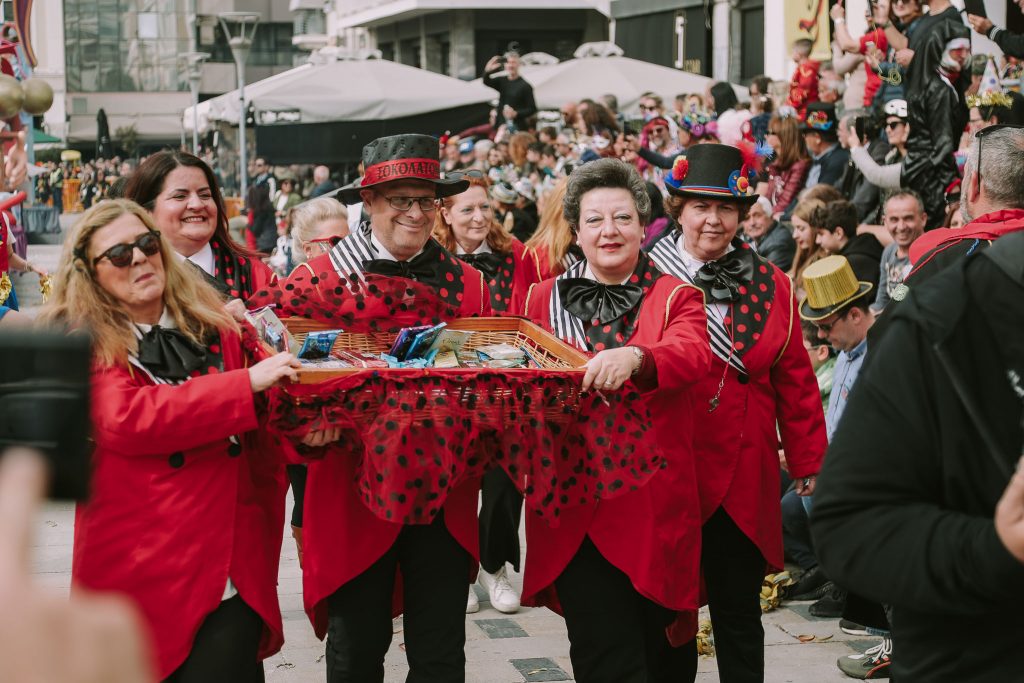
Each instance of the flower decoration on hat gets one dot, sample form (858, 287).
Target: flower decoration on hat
(696, 123)
(818, 120)
(743, 181)
(680, 167)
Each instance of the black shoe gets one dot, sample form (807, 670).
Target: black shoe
(831, 606)
(811, 586)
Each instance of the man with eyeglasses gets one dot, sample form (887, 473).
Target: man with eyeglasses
(351, 555)
(991, 202)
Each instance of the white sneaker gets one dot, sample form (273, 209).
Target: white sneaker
(472, 604)
(504, 597)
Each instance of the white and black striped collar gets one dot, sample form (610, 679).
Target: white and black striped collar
(566, 326)
(667, 253)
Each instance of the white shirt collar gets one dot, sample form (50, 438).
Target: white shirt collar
(166, 321)
(382, 252)
(202, 258)
(484, 248)
(692, 263)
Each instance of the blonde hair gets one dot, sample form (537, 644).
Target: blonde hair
(553, 230)
(498, 239)
(78, 302)
(308, 215)
(812, 212)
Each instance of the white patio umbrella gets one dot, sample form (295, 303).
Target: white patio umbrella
(347, 90)
(626, 78)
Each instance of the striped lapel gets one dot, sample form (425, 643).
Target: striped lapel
(665, 254)
(567, 327)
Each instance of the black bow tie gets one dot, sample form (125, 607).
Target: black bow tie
(721, 279)
(422, 268)
(590, 300)
(169, 354)
(487, 263)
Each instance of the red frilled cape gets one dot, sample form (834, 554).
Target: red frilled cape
(415, 442)
(653, 533)
(176, 507)
(991, 226)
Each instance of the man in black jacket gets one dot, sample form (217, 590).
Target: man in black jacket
(515, 96)
(903, 512)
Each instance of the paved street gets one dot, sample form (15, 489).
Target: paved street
(528, 646)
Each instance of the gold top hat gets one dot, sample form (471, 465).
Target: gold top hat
(830, 285)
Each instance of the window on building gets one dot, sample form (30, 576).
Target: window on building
(271, 46)
(124, 46)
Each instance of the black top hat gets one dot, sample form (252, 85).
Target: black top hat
(821, 118)
(402, 157)
(712, 171)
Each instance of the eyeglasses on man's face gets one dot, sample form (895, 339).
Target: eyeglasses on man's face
(403, 204)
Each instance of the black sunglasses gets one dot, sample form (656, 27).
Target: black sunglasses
(827, 327)
(121, 255)
(893, 125)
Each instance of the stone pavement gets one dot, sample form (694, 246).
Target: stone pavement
(528, 646)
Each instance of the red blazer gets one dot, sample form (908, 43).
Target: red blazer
(509, 287)
(341, 536)
(176, 507)
(652, 534)
(737, 444)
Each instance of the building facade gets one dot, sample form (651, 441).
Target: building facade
(123, 56)
(457, 37)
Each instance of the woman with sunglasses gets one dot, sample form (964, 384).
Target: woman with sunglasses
(317, 225)
(181, 193)
(466, 227)
(788, 172)
(186, 509)
(897, 130)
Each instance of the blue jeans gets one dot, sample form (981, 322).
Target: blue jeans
(796, 532)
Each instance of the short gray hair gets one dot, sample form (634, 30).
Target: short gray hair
(1002, 169)
(602, 173)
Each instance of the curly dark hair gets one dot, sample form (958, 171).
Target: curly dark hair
(609, 172)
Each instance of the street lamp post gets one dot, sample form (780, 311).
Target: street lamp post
(240, 42)
(194, 65)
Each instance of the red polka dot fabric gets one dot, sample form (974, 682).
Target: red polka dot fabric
(751, 312)
(418, 433)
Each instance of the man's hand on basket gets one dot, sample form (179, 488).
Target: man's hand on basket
(609, 369)
(322, 437)
(269, 372)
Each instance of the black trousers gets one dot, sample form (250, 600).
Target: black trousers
(297, 477)
(733, 571)
(615, 634)
(435, 571)
(225, 648)
(500, 510)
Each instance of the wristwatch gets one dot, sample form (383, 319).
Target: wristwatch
(638, 352)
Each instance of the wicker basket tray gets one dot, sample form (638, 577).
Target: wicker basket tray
(550, 352)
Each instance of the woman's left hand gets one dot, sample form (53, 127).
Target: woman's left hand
(609, 369)
(805, 486)
(322, 437)
(236, 309)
